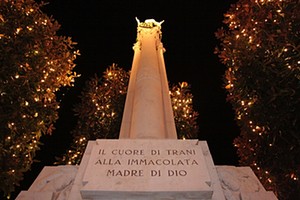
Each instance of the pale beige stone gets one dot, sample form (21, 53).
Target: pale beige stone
(143, 168)
(148, 111)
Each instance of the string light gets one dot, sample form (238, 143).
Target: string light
(259, 49)
(32, 84)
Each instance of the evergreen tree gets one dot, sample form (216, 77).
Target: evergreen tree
(260, 48)
(101, 107)
(99, 111)
(35, 64)
(184, 114)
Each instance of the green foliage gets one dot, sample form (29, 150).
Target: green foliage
(101, 109)
(184, 114)
(99, 112)
(260, 47)
(35, 63)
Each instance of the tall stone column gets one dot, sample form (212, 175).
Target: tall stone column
(148, 111)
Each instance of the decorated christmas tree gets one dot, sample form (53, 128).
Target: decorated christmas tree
(260, 48)
(35, 64)
(101, 108)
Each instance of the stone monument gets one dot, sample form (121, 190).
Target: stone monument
(147, 161)
(148, 110)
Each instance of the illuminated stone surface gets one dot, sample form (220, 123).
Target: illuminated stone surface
(135, 169)
(236, 183)
(241, 183)
(148, 111)
(54, 182)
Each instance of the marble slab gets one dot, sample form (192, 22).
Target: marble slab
(146, 169)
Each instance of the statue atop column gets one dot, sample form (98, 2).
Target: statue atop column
(148, 111)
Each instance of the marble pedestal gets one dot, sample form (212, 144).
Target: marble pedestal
(147, 169)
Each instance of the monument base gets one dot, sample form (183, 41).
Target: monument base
(146, 169)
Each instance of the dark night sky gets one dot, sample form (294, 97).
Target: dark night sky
(105, 31)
